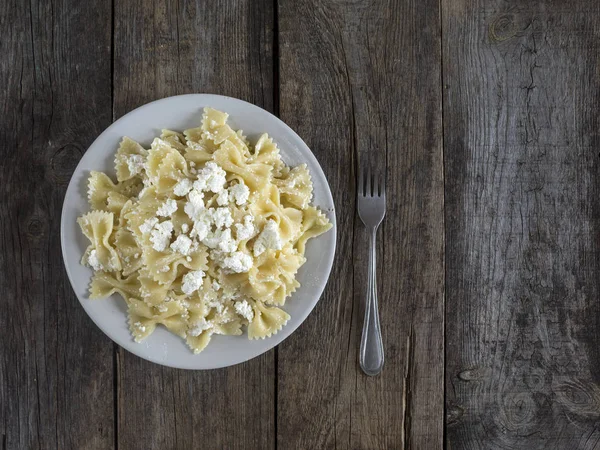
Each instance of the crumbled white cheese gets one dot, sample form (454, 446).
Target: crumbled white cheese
(201, 325)
(268, 238)
(215, 285)
(94, 262)
(244, 309)
(216, 303)
(167, 208)
(188, 258)
(238, 262)
(140, 327)
(239, 193)
(147, 226)
(185, 228)
(193, 208)
(165, 268)
(135, 164)
(182, 244)
(161, 235)
(193, 144)
(221, 240)
(202, 225)
(212, 239)
(182, 187)
(217, 256)
(211, 178)
(192, 281)
(221, 217)
(246, 230)
(162, 308)
(223, 198)
(227, 243)
(137, 255)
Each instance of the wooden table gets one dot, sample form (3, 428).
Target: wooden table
(485, 116)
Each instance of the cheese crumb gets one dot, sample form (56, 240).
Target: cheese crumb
(269, 238)
(185, 228)
(182, 187)
(244, 309)
(94, 262)
(167, 208)
(162, 308)
(193, 208)
(192, 281)
(202, 225)
(239, 193)
(135, 164)
(182, 244)
(238, 262)
(147, 226)
(221, 217)
(215, 285)
(161, 236)
(201, 325)
(223, 198)
(211, 178)
(246, 230)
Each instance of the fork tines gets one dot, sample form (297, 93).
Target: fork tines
(370, 186)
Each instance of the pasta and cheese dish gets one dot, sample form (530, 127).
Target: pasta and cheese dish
(203, 233)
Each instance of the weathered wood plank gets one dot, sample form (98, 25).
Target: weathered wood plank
(360, 82)
(521, 129)
(56, 367)
(165, 48)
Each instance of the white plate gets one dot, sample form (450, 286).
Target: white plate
(143, 125)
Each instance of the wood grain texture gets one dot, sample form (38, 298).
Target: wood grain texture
(56, 367)
(521, 132)
(166, 48)
(360, 83)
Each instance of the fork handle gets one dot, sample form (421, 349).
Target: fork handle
(371, 345)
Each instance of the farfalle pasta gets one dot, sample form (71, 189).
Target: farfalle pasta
(203, 232)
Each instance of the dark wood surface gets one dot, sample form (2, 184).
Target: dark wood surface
(521, 129)
(483, 115)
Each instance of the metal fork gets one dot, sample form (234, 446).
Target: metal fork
(371, 210)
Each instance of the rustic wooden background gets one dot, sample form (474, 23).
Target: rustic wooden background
(485, 115)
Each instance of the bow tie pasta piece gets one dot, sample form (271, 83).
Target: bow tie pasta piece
(105, 284)
(163, 267)
(267, 321)
(130, 159)
(267, 206)
(97, 226)
(256, 175)
(100, 186)
(295, 187)
(314, 223)
(174, 139)
(165, 166)
(267, 152)
(143, 319)
(151, 291)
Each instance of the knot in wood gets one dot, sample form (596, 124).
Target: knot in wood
(502, 28)
(35, 228)
(453, 414)
(472, 374)
(63, 162)
(518, 411)
(579, 397)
